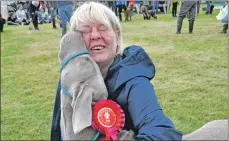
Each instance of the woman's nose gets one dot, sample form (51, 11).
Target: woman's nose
(95, 34)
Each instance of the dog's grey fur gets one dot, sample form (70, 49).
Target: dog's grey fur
(147, 13)
(214, 130)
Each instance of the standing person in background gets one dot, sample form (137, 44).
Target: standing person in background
(225, 26)
(208, 9)
(155, 6)
(146, 3)
(33, 10)
(168, 3)
(174, 8)
(187, 7)
(65, 9)
(131, 4)
(2, 22)
(4, 11)
(120, 4)
(198, 6)
(52, 10)
(137, 5)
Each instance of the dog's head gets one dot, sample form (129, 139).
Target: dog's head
(144, 9)
(81, 77)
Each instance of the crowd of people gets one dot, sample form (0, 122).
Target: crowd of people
(26, 12)
(40, 12)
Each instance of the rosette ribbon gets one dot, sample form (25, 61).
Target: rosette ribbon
(108, 118)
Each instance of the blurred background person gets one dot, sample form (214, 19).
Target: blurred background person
(174, 8)
(21, 16)
(33, 9)
(2, 22)
(65, 10)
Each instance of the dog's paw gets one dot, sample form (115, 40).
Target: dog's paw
(126, 135)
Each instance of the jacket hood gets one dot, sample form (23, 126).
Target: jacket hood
(132, 63)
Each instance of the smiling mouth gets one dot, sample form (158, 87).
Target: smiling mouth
(97, 48)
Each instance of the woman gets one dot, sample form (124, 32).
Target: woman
(21, 16)
(126, 73)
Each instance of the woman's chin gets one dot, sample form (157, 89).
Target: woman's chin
(99, 58)
(99, 61)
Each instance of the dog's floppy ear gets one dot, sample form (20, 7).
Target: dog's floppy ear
(82, 110)
(70, 44)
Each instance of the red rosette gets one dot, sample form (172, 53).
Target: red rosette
(108, 118)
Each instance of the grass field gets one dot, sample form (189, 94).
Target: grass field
(190, 81)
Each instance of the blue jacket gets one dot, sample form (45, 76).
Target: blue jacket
(63, 3)
(120, 2)
(128, 84)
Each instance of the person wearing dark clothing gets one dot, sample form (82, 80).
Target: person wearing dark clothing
(208, 9)
(53, 19)
(187, 8)
(120, 5)
(12, 19)
(211, 9)
(225, 28)
(65, 9)
(33, 10)
(174, 9)
(2, 22)
(198, 6)
(52, 10)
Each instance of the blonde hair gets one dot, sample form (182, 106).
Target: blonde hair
(93, 12)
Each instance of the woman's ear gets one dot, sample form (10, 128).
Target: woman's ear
(117, 33)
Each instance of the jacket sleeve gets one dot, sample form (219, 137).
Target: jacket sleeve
(147, 116)
(55, 129)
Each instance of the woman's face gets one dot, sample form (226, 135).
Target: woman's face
(101, 42)
(20, 7)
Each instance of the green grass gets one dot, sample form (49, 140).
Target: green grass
(190, 81)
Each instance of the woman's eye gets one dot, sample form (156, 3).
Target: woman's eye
(102, 28)
(86, 30)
